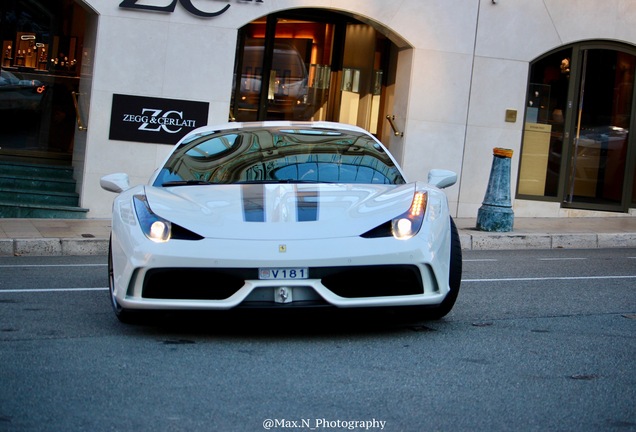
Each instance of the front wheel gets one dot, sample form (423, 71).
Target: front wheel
(454, 279)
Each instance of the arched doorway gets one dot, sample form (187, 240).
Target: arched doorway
(577, 146)
(310, 64)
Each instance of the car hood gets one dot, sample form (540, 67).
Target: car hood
(280, 211)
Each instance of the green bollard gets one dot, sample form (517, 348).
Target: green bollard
(496, 213)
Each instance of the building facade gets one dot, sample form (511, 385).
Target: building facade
(107, 86)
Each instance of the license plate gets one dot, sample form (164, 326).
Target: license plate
(283, 273)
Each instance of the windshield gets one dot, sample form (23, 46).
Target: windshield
(264, 155)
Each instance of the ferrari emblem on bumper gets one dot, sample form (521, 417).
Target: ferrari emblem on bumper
(283, 295)
(282, 248)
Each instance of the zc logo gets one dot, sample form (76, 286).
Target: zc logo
(155, 122)
(187, 4)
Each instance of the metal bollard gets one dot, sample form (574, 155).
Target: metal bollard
(496, 213)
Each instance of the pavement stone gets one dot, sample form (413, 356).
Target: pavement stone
(608, 240)
(72, 237)
(510, 241)
(37, 247)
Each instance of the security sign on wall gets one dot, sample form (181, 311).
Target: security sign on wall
(155, 120)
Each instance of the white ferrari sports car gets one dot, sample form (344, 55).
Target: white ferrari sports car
(282, 215)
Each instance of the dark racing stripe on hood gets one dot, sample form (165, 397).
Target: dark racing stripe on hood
(307, 205)
(304, 204)
(253, 202)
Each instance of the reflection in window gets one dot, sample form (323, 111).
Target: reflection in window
(41, 59)
(578, 119)
(213, 147)
(544, 128)
(281, 155)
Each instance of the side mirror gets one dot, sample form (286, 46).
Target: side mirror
(442, 178)
(117, 182)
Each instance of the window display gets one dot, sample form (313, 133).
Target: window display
(41, 53)
(546, 106)
(304, 65)
(576, 145)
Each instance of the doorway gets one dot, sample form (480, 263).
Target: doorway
(598, 163)
(312, 65)
(577, 147)
(41, 62)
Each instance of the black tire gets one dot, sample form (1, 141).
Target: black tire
(124, 315)
(454, 279)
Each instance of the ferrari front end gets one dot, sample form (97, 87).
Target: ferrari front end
(328, 222)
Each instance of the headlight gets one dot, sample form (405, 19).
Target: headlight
(408, 224)
(155, 228)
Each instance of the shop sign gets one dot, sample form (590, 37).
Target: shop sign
(187, 5)
(155, 120)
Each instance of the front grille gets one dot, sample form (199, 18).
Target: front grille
(370, 281)
(222, 283)
(194, 283)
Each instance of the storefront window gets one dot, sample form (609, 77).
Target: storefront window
(599, 149)
(634, 192)
(295, 70)
(310, 65)
(576, 145)
(41, 57)
(546, 111)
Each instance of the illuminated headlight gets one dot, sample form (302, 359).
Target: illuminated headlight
(155, 228)
(402, 227)
(408, 224)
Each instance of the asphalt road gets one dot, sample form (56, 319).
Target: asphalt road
(538, 341)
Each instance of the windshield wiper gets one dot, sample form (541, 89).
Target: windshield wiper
(185, 183)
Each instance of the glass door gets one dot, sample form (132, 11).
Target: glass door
(312, 65)
(285, 66)
(598, 154)
(40, 67)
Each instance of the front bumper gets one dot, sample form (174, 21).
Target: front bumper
(223, 274)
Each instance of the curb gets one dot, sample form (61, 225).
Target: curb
(469, 241)
(53, 247)
(516, 241)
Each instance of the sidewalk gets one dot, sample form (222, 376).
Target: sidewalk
(39, 237)
(552, 233)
